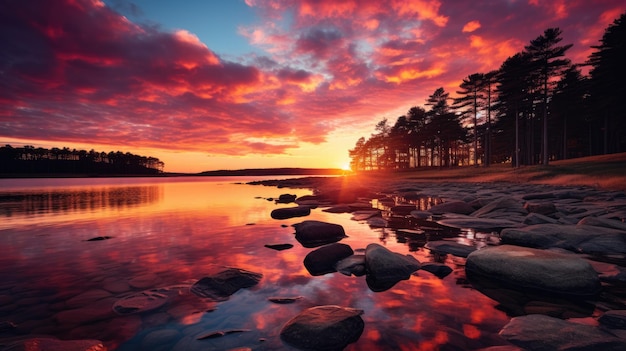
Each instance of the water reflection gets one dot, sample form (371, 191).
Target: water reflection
(53, 282)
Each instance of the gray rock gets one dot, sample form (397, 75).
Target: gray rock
(438, 269)
(352, 265)
(577, 238)
(386, 268)
(544, 208)
(377, 222)
(500, 205)
(316, 233)
(603, 222)
(449, 247)
(478, 223)
(543, 333)
(615, 319)
(324, 328)
(291, 212)
(535, 269)
(50, 344)
(536, 218)
(323, 259)
(220, 286)
(459, 207)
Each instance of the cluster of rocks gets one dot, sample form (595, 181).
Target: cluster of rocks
(551, 240)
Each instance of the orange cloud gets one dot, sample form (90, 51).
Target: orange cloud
(470, 26)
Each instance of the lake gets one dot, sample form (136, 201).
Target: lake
(171, 232)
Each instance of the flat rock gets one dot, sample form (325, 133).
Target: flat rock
(146, 300)
(377, 222)
(86, 298)
(220, 286)
(603, 222)
(540, 332)
(279, 247)
(541, 270)
(577, 238)
(499, 206)
(385, 268)
(459, 207)
(145, 281)
(51, 344)
(544, 208)
(291, 212)
(324, 328)
(96, 311)
(536, 218)
(478, 223)
(316, 233)
(322, 260)
(450, 247)
(614, 319)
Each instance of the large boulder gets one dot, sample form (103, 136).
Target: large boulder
(316, 233)
(291, 212)
(577, 238)
(324, 328)
(535, 269)
(385, 268)
(220, 286)
(544, 333)
(324, 259)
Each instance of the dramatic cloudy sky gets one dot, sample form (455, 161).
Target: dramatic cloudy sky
(227, 84)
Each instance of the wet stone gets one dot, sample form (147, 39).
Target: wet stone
(541, 270)
(220, 286)
(316, 233)
(323, 259)
(87, 297)
(615, 319)
(459, 207)
(324, 328)
(440, 270)
(291, 212)
(352, 265)
(449, 247)
(50, 344)
(385, 268)
(539, 332)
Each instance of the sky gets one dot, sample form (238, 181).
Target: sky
(233, 84)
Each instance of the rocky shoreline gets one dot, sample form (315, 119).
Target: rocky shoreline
(558, 264)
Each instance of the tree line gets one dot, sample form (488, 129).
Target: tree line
(537, 107)
(31, 160)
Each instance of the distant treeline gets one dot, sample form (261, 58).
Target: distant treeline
(28, 160)
(275, 171)
(537, 107)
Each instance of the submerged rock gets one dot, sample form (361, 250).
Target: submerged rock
(291, 212)
(385, 268)
(323, 259)
(614, 319)
(539, 332)
(220, 286)
(324, 328)
(146, 300)
(316, 233)
(535, 269)
(51, 344)
(438, 269)
(279, 247)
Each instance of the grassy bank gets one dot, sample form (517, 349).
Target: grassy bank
(605, 171)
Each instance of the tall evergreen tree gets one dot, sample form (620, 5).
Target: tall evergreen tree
(608, 89)
(549, 62)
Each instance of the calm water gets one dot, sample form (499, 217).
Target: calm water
(173, 231)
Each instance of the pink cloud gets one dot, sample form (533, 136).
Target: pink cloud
(76, 71)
